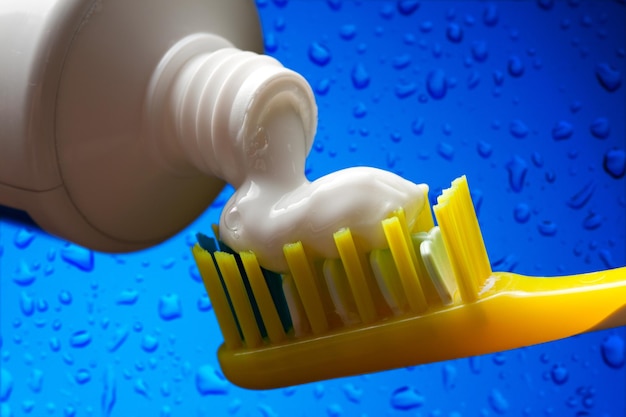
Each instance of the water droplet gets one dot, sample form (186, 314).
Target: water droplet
(334, 4)
(352, 393)
(562, 130)
(547, 228)
(614, 163)
(517, 168)
(319, 54)
(82, 376)
(515, 66)
(408, 7)
(24, 275)
(480, 52)
(426, 26)
(559, 374)
(118, 338)
(401, 61)
(149, 343)
(545, 4)
(613, 351)
(498, 403)
(141, 387)
(498, 77)
(600, 128)
(270, 42)
(449, 374)
(417, 126)
(209, 381)
(404, 90)
(518, 129)
(23, 237)
(359, 110)
(35, 380)
(27, 304)
(109, 392)
(582, 197)
(78, 256)
(454, 32)
(484, 149)
(436, 84)
(6, 384)
(203, 304)
(360, 77)
(521, 213)
(475, 364)
(322, 87)
(609, 77)
(55, 344)
(170, 307)
(491, 15)
(80, 339)
(127, 297)
(592, 221)
(445, 150)
(347, 32)
(406, 398)
(473, 80)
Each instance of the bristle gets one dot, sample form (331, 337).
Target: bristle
(401, 252)
(356, 275)
(340, 291)
(388, 280)
(264, 300)
(304, 277)
(463, 239)
(239, 298)
(221, 306)
(424, 221)
(301, 325)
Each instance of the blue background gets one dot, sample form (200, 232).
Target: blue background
(508, 93)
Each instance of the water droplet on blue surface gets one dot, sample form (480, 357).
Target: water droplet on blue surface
(582, 197)
(118, 338)
(404, 90)
(609, 77)
(401, 61)
(334, 4)
(417, 126)
(408, 7)
(473, 80)
(209, 381)
(498, 77)
(559, 374)
(521, 213)
(445, 150)
(80, 339)
(515, 66)
(518, 129)
(109, 392)
(498, 403)
(592, 221)
(613, 351)
(360, 77)
(562, 130)
(347, 32)
(614, 163)
(359, 110)
(127, 297)
(270, 42)
(141, 387)
(449, 374)
(547, 228)
(406, 398)
(6, 384)
(517, 169)
(319, 54)
(426, 26)
(484, 149)
(82, 376)
(78, 256)
(170, 307)
(491, 15)
(600, 128)
(545, 4)
(454, 32)
(323, 86)
(436, 84)
(203, 304)
(65, 297)
(24, 275)
(23, 237)
(55, 344)
(27, 304)
(352, 393)
(149, 343)
(480, 52)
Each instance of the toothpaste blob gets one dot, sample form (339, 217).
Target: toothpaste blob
(276, 204)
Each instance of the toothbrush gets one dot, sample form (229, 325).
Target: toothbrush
(430, 296)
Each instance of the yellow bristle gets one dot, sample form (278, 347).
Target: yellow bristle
(304, 278)
(214, 288)
(263, 298)
(463, 239)
(239, 298)
(356, 276)
(403, 259)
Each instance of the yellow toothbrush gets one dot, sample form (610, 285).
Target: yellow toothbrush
(430, 296)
